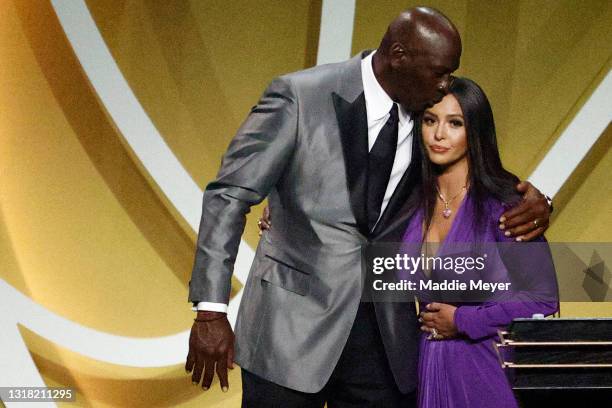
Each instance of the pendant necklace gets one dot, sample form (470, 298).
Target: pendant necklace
(447, 211)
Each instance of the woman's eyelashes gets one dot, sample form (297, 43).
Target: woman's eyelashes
(429, 121)
(456, 123)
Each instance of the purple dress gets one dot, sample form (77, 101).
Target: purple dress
(465, 372)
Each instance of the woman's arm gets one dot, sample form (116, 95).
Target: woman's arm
(532, 273)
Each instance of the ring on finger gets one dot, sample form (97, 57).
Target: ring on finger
(535, 222)
(435, 335)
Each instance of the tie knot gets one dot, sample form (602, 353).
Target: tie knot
(393, 112)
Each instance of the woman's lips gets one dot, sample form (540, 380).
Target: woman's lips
(439, 149)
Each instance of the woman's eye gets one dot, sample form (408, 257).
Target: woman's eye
(456, 123)
(428, 121)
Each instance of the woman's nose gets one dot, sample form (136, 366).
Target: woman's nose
(439, 135)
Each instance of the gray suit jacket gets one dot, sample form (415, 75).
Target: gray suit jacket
(304, 146)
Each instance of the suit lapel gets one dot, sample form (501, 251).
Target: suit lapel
(353, 126)
(349, 103)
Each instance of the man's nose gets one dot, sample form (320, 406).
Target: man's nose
(446, 83)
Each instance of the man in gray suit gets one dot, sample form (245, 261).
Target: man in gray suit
(331, 148)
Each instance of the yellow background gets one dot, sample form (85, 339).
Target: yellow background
(86, 233)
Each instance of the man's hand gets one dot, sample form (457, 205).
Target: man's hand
(441, 317)
(528, 219)
(265, 222)
(211, 345)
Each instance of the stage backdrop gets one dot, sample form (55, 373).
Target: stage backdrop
(114, 115)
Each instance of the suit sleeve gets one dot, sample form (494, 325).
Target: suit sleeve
(251, 166)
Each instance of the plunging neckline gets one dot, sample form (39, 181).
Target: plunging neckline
(451, 230)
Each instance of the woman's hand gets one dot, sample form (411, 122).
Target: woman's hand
(264, 223)
(439, 320)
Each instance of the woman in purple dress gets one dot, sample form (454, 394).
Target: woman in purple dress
(464, 191)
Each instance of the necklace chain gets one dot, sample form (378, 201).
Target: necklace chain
(447, 211)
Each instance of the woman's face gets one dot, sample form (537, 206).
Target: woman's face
(444, 134)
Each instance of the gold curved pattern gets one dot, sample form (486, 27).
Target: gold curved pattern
(89, 183)
(102, 384)
(75, 197)
(209, 62)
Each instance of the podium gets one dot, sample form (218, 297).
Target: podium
(558, 362)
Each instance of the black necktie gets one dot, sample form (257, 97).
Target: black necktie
(380, 163)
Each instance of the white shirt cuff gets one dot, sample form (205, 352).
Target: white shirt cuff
(210, 307)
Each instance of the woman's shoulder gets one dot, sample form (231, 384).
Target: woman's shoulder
(491, 210)
(494, 207)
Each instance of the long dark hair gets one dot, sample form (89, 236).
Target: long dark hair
(486, 175)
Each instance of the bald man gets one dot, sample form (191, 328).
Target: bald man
(331, 149)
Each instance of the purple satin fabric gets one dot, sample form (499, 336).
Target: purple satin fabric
(465, 372)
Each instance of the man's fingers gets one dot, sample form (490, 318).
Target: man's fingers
(266, 214)
(265, 222)
(209, 373)
(210, 344)
(533, 205)
(508, 217)
(518, 220)
(526, 230)
(533, 234)
(230, 358)
(521, 229)
(523, 186)
(263, 225)
(222, 373)
(190, 361)
(197, 371)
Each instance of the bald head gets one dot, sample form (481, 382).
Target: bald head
(421, 29)
(416, 56)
